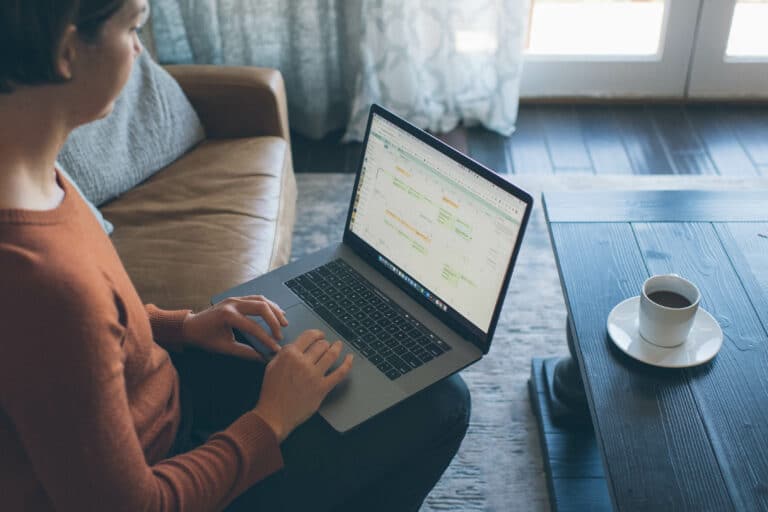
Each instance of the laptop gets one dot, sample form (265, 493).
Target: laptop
(415, 288)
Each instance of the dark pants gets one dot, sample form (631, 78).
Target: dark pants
(389, 463)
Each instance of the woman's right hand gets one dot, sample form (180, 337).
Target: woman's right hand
(295, 381)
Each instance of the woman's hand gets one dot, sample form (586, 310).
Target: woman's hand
(295, 382)
(211, 329)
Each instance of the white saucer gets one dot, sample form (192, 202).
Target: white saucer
(703, 343)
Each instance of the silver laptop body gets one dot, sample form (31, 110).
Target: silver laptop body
(428, 250)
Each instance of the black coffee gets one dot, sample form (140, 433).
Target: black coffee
(669, 299)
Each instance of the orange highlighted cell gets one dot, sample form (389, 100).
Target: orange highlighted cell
(408, 226)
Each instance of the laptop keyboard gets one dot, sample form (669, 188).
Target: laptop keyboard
(391, 339)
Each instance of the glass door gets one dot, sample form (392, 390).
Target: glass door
(609, 48)
(730, 58)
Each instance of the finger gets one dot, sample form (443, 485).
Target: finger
(330, 356)
(277, 310)
(263, 298)
(279, 313)
(262, 309)
(339, 374)
(249, 326)
(307, 338)
(317, 350)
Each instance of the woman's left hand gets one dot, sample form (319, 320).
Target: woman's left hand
(211, 329)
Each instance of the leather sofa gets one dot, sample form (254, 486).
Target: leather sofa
(224, 212)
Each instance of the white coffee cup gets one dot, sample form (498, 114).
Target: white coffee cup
(667, 325)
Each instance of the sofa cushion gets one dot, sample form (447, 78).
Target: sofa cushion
(152, 125)
(219, 216)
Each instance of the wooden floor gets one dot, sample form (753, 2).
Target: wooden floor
(704, 139)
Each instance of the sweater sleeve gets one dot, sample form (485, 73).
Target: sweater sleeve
(166, 327)
(62, 385)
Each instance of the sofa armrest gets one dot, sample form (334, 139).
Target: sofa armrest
(235, 101)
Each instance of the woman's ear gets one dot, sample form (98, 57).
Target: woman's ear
(67, 53)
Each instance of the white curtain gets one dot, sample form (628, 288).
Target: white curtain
(434, 62)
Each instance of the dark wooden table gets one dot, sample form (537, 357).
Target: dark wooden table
(686, 439)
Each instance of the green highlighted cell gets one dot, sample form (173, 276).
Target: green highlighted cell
(455, 277)
(444, 217)
(463, 229)
(450, 275)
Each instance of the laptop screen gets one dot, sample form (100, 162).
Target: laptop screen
(440, 227)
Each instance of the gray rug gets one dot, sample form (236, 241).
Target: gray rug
(499, 466)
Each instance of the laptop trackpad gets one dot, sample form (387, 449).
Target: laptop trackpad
(365, 393)
(300, 318)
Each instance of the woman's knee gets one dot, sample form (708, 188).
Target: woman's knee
(448, 403)
(458, 394)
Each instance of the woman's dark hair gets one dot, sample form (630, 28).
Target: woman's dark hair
(30, 32)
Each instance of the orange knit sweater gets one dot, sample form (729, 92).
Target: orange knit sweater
(89, 402)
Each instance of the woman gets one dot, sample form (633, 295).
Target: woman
(93, 412)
